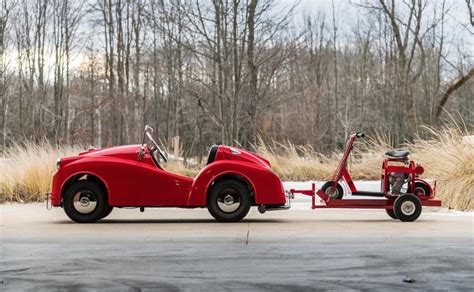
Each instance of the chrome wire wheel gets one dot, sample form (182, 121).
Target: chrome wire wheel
(228, 200)
(85, 201)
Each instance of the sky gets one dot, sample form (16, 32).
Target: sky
(347, 15)
(458, 29)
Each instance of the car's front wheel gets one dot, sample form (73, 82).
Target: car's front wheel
(85, 202)
(228, 201)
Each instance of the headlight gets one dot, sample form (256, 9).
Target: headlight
(58, 163)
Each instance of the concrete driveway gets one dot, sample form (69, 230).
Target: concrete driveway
(174, 249)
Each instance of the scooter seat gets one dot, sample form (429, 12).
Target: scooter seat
(398, 153)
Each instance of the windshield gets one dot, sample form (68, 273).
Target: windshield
(153, 146)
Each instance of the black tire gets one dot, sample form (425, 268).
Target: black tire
(339, 190)
(407, 208)
(420, 189)
(391, 213)
(91, 202)
(222, 201)
(108, 211)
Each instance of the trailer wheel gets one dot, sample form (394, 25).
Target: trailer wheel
(229, 201)
(391, 213)
(338, 193)
(407, 208)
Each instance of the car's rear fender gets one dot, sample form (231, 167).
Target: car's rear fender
(265, 185)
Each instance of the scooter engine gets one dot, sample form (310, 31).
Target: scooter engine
(396, 181)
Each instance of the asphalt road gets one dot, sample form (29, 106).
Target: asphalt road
(173, 249)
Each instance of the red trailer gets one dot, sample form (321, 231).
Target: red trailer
(397, 170)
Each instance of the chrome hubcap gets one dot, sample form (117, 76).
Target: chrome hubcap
(228, 200)
(408, 208)
(84, 202)
(331, 194)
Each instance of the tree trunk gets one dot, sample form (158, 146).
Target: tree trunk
(253, 72)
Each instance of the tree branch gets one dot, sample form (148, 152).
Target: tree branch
(452, 88)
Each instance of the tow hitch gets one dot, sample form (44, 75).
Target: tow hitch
(47, 197)
(289, 196)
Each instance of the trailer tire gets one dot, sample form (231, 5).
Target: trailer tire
(407, 208)
(391, 213)
(339, 190)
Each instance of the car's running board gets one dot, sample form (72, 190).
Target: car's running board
(368, 194)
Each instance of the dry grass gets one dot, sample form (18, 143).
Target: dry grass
(27, 170)
(181, 168)
(292, 162)
(447, 158)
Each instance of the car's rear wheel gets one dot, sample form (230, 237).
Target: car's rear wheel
(108, 211)
(228, 201)
(85, 202)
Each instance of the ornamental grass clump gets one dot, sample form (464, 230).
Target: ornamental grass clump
(26, 170)
(448, 158)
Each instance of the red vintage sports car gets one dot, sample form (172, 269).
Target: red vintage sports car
(88, 186)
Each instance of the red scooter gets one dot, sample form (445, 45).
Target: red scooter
(402, 193)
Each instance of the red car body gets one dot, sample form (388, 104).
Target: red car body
(130, 182)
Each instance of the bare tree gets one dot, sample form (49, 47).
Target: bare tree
(228, 71)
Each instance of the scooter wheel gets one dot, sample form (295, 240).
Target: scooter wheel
(421, 189)
(407, 208)
(338, 193)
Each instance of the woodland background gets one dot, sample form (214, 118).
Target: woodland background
(94, 72)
